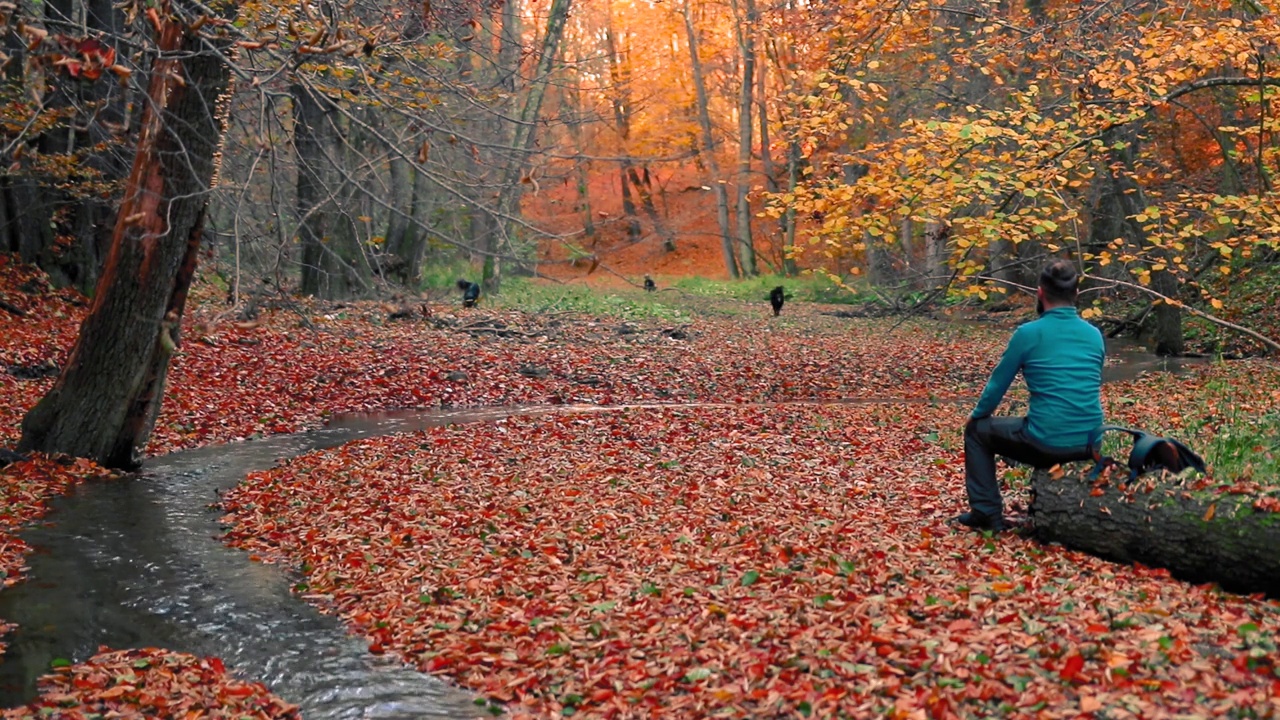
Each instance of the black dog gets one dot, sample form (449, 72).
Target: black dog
(470, 292)
(649, 285)
(776, 298)
(8, 457)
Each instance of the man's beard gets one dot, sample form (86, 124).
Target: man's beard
(1039, 306)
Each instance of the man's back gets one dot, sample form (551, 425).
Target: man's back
(1060, 356)
(1063, 370)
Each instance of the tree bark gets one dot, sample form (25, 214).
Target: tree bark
(527, 120)
(747, 46)
(573, 102)
(788, 219)
(643, 189)
(312, 133)
(935, 253)
(415, 243)
(396, 238)
(1130, 200)
(766, 160)
(619, 78)
(709, 142)
(1198, 539)
(104, 404)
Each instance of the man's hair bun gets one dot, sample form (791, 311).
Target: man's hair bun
(1060, 280)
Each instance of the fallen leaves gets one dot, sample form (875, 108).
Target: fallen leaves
(680, 563)
(732, 562)
(151, 683)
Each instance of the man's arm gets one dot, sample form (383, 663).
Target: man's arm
(1010, 363)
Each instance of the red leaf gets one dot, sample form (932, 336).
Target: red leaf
(1072, 668)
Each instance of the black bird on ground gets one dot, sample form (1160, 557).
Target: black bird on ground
(470, 292)
(776, 298)
(649, 285)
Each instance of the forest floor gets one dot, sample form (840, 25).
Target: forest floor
(756, 557)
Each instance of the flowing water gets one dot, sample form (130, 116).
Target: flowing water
(138, 563)
(1128, 360)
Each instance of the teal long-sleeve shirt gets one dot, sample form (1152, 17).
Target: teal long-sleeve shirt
(1060, 356)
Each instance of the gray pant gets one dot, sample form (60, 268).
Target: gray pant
(984, 438)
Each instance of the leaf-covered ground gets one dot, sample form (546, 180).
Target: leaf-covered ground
(297, 366)
(150, 683)
(751, 562)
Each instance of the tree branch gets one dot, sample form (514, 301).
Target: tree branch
(1274, 345)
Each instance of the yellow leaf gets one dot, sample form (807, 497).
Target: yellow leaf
(1208, 515)
(1216, 303)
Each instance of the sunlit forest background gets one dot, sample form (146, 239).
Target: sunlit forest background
(381, 148)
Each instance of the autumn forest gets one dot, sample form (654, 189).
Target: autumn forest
(619, 358)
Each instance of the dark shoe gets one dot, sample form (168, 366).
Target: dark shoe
(980, 521)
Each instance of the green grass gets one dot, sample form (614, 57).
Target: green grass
(1248, 443)
(806, 288)
(442, 274)
(539, 297)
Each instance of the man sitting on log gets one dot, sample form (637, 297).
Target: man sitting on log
(1060, 356)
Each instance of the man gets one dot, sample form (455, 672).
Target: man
(1060, 356)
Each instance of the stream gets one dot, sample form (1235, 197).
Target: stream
(138, 563)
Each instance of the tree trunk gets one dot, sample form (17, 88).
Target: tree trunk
(415, 237)
(1167, 318)
(650, 210)
(527, 120)
(619, 78)
(104, 404)
(574, 119)
(788, 219)
(906, 236)
(396, 239)
(935, 253)
(747, 46)
(709, 142)
(766, 159)
(312, 133)
(1198, 539)
(501, 226)
(1130, 200)
(628, 204)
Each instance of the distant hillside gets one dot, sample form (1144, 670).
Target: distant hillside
(683, 205)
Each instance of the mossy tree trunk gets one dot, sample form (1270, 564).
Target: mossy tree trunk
(1159, 523)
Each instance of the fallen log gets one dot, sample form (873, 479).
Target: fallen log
(1198, 535)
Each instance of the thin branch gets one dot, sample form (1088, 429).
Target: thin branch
(1274, 345)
